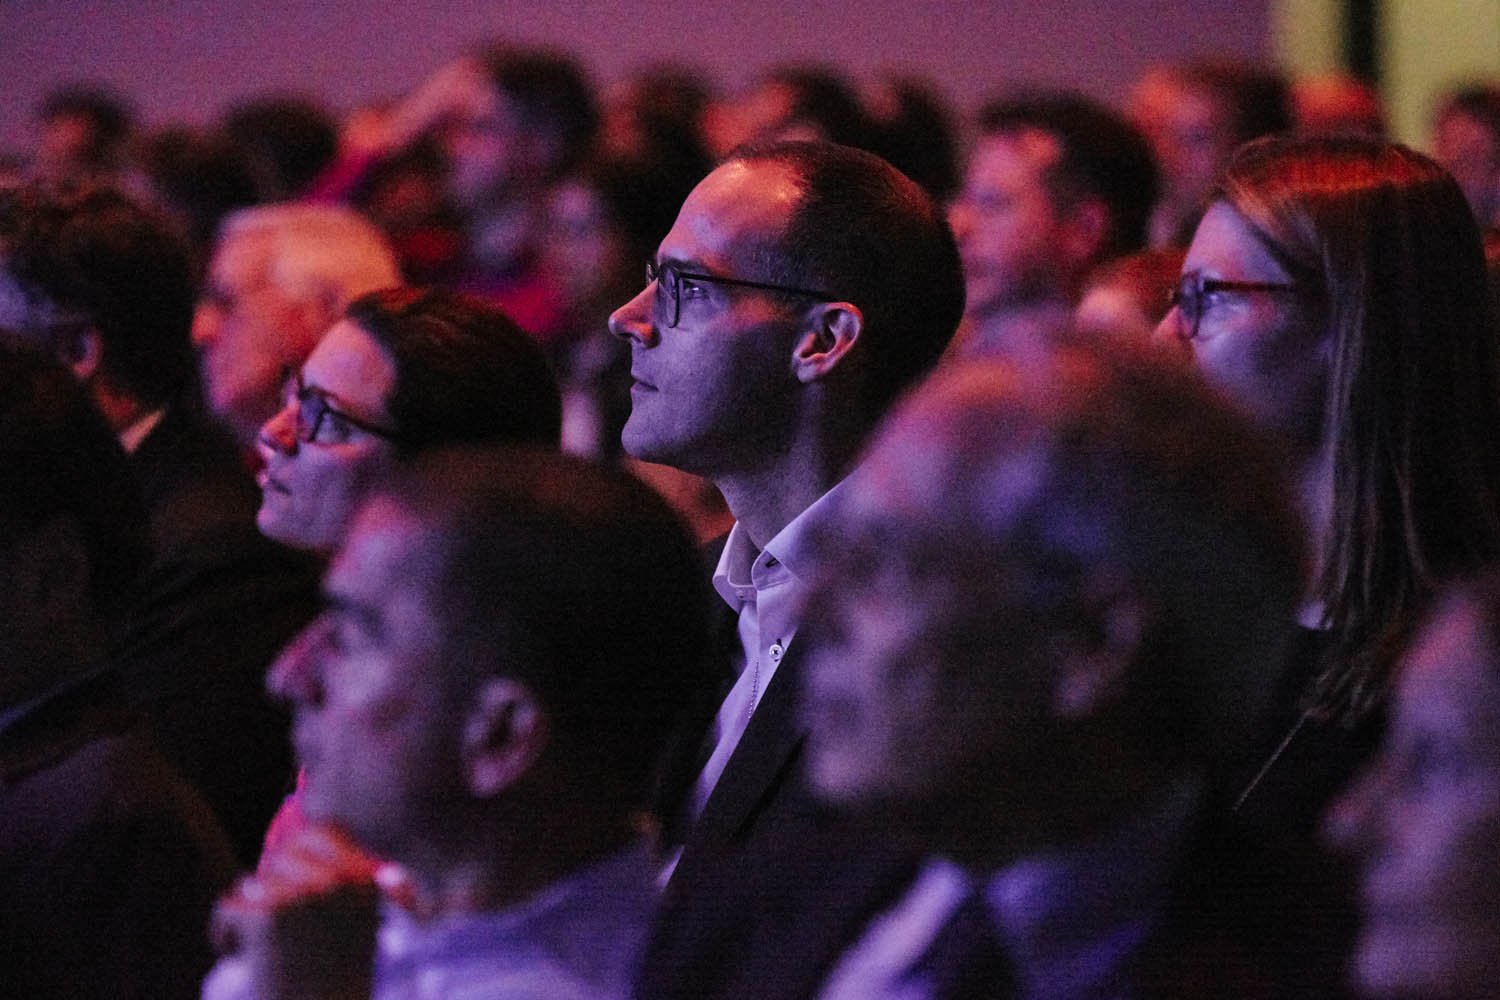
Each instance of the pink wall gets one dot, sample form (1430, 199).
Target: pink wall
(183, 60)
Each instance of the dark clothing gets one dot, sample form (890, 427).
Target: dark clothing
(109, 861)
(1299, 895)
(218, 603)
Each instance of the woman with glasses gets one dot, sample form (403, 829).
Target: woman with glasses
(404, 371)
(1335, 289)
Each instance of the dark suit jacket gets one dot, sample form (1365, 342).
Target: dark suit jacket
(759, 806)
(220, 600)
(109, 861)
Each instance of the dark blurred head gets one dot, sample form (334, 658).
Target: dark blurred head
(83, 128)
(479, 600)
(200, 177)
(1043, 581)
(913, 128)
(60, 464)
(92, 263)
(286, 140)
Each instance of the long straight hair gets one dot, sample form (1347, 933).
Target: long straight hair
(1386, 241)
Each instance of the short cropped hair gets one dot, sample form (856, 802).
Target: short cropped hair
(865, 232)
(1012, 489)
(121, 269)
(579, 581)
(1102, 156)
(59, 459)
(465, 372)
(553, 96)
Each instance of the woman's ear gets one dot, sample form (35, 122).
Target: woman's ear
(833, 330)
(504, 734)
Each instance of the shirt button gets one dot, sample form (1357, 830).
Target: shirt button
(776, 651)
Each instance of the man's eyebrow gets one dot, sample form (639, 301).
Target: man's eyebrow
(678, 264)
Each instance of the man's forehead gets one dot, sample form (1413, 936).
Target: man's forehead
(740, 207)
(1027, 147)
(242, 257)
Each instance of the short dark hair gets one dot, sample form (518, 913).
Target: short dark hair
(59, 459)
(123, 268)
(867, 233)
(541, 558)
(1256, 100)
(465, 372)
(1102, 156)
(108, 115)
(552, 94)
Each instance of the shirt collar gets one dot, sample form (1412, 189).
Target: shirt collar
(743, 570)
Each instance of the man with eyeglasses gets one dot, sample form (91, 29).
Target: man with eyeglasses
(801, 289)
(106, 285)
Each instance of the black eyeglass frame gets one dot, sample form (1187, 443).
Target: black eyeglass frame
(1179, 296)
(656, 273)
(307, 426)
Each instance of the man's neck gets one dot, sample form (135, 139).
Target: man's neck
(766, 500)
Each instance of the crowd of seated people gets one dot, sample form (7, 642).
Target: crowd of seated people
(654, 542)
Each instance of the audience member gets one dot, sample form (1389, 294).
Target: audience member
(913, 128)
(1336, 291)
(404, 371)
(84, 129)
(1466, 141)
(1424, 818)
(802, 287)
(198, 176)
(106, 286)
(1196, 114)
(288, 141)
(109, 862)
(281, 275)
(807, 103)
(480, 706)
(1056, 185)
(1038, 623)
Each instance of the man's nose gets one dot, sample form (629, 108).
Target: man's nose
(632, 321)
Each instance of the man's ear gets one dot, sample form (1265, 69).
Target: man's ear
(1092, 665)
(504, 735)
(833, 329)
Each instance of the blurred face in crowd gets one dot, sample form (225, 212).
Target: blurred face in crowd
(716, 389)
(1469, 151)
(910, 696)
(1262, 348)
(249, 334)
(1425, 822)
(314, 476)
(1007, 223)
(1189, 132)
(376, 730)
(583, 250)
